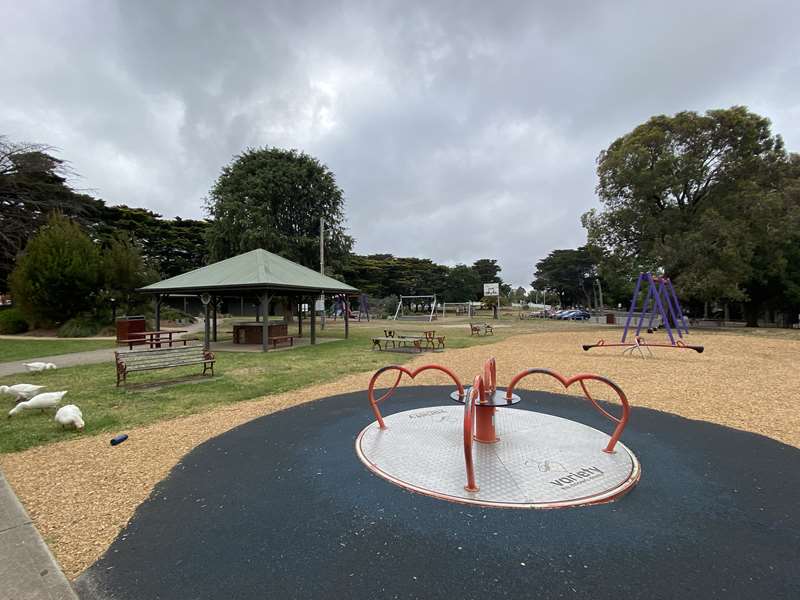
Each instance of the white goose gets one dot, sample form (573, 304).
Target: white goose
(41, 401)
(21, 391)
(70, 416)
(35, 367)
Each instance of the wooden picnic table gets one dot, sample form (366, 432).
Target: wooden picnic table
(153, 338)
(404, 337)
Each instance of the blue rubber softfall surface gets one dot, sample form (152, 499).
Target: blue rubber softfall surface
(281, 507)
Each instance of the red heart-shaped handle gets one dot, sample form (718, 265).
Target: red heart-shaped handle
(411, 374)
(582, 378)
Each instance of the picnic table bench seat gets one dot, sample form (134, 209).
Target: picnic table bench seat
(281, 339)
(415, 342)
(431, 341)
(131, 342)
(129, 361)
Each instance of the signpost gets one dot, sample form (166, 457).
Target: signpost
(493, 289)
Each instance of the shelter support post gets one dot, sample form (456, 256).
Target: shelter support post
(158, 311)
(265, 326)
(346, 317)
(313, 321)
(300, 317)
(214, 319)
(206, 327)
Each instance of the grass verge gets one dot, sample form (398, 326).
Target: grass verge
(240, 376)
(30, 347)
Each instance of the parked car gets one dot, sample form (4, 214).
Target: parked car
(579, 315)
(576, 314)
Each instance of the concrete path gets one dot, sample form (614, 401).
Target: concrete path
(90, 357)
(28, 570)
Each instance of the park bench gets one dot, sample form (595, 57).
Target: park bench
(282, 339)
(129, 361)
(476, 328)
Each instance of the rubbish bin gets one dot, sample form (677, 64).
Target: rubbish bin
(130, 328)
(610, 319)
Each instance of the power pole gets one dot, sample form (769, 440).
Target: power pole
(322, 263)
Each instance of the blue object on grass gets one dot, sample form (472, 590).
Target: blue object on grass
(119, 439)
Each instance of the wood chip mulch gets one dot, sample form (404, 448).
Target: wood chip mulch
(81, 493)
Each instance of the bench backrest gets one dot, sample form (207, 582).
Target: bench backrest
(162, 356)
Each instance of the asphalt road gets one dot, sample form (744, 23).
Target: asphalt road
(282, 508)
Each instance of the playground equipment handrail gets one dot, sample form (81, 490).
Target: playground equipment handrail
(412, 374)
(476, 392)
(581, 378)
(489, 379)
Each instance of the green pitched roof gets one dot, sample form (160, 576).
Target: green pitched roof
(257, 269)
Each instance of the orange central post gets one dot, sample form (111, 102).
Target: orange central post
(484, 424)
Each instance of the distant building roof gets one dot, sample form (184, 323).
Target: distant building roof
(251, 271)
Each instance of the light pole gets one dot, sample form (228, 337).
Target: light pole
(322, 265)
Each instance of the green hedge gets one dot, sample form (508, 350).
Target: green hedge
(81, 326)
(12, 321)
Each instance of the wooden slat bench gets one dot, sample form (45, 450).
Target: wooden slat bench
(282, 339)
(129, 361)
(476, 328)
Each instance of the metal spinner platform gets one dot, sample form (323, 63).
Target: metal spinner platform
(508, 458)
(539, 461)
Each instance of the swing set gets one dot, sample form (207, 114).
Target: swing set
(425, 302)
(660, 303)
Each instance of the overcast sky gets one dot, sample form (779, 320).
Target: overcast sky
(457, 130)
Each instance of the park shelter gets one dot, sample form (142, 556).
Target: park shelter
(257, 274)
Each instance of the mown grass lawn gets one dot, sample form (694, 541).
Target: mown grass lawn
(240, 376)
(29, 347)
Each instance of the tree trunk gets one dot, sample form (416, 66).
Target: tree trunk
(751, 312)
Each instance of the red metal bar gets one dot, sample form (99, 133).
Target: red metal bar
(371, 390)
(489, 378)
(469, 423)
(581, 378)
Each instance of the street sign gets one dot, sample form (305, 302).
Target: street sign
(491, 289)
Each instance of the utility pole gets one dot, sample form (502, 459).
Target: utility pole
(322, 264)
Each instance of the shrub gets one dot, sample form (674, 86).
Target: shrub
(58, 275)
(12, 321)
(169, 313)
(81, 326)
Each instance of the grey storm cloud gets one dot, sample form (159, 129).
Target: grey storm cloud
(457, 130)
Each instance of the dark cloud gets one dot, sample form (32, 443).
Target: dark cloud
(457, 130)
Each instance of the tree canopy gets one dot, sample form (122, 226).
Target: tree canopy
(705, 199)
(59, 275)
(569, 273)
(383, 275)
(274, 199)
(33, 186)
